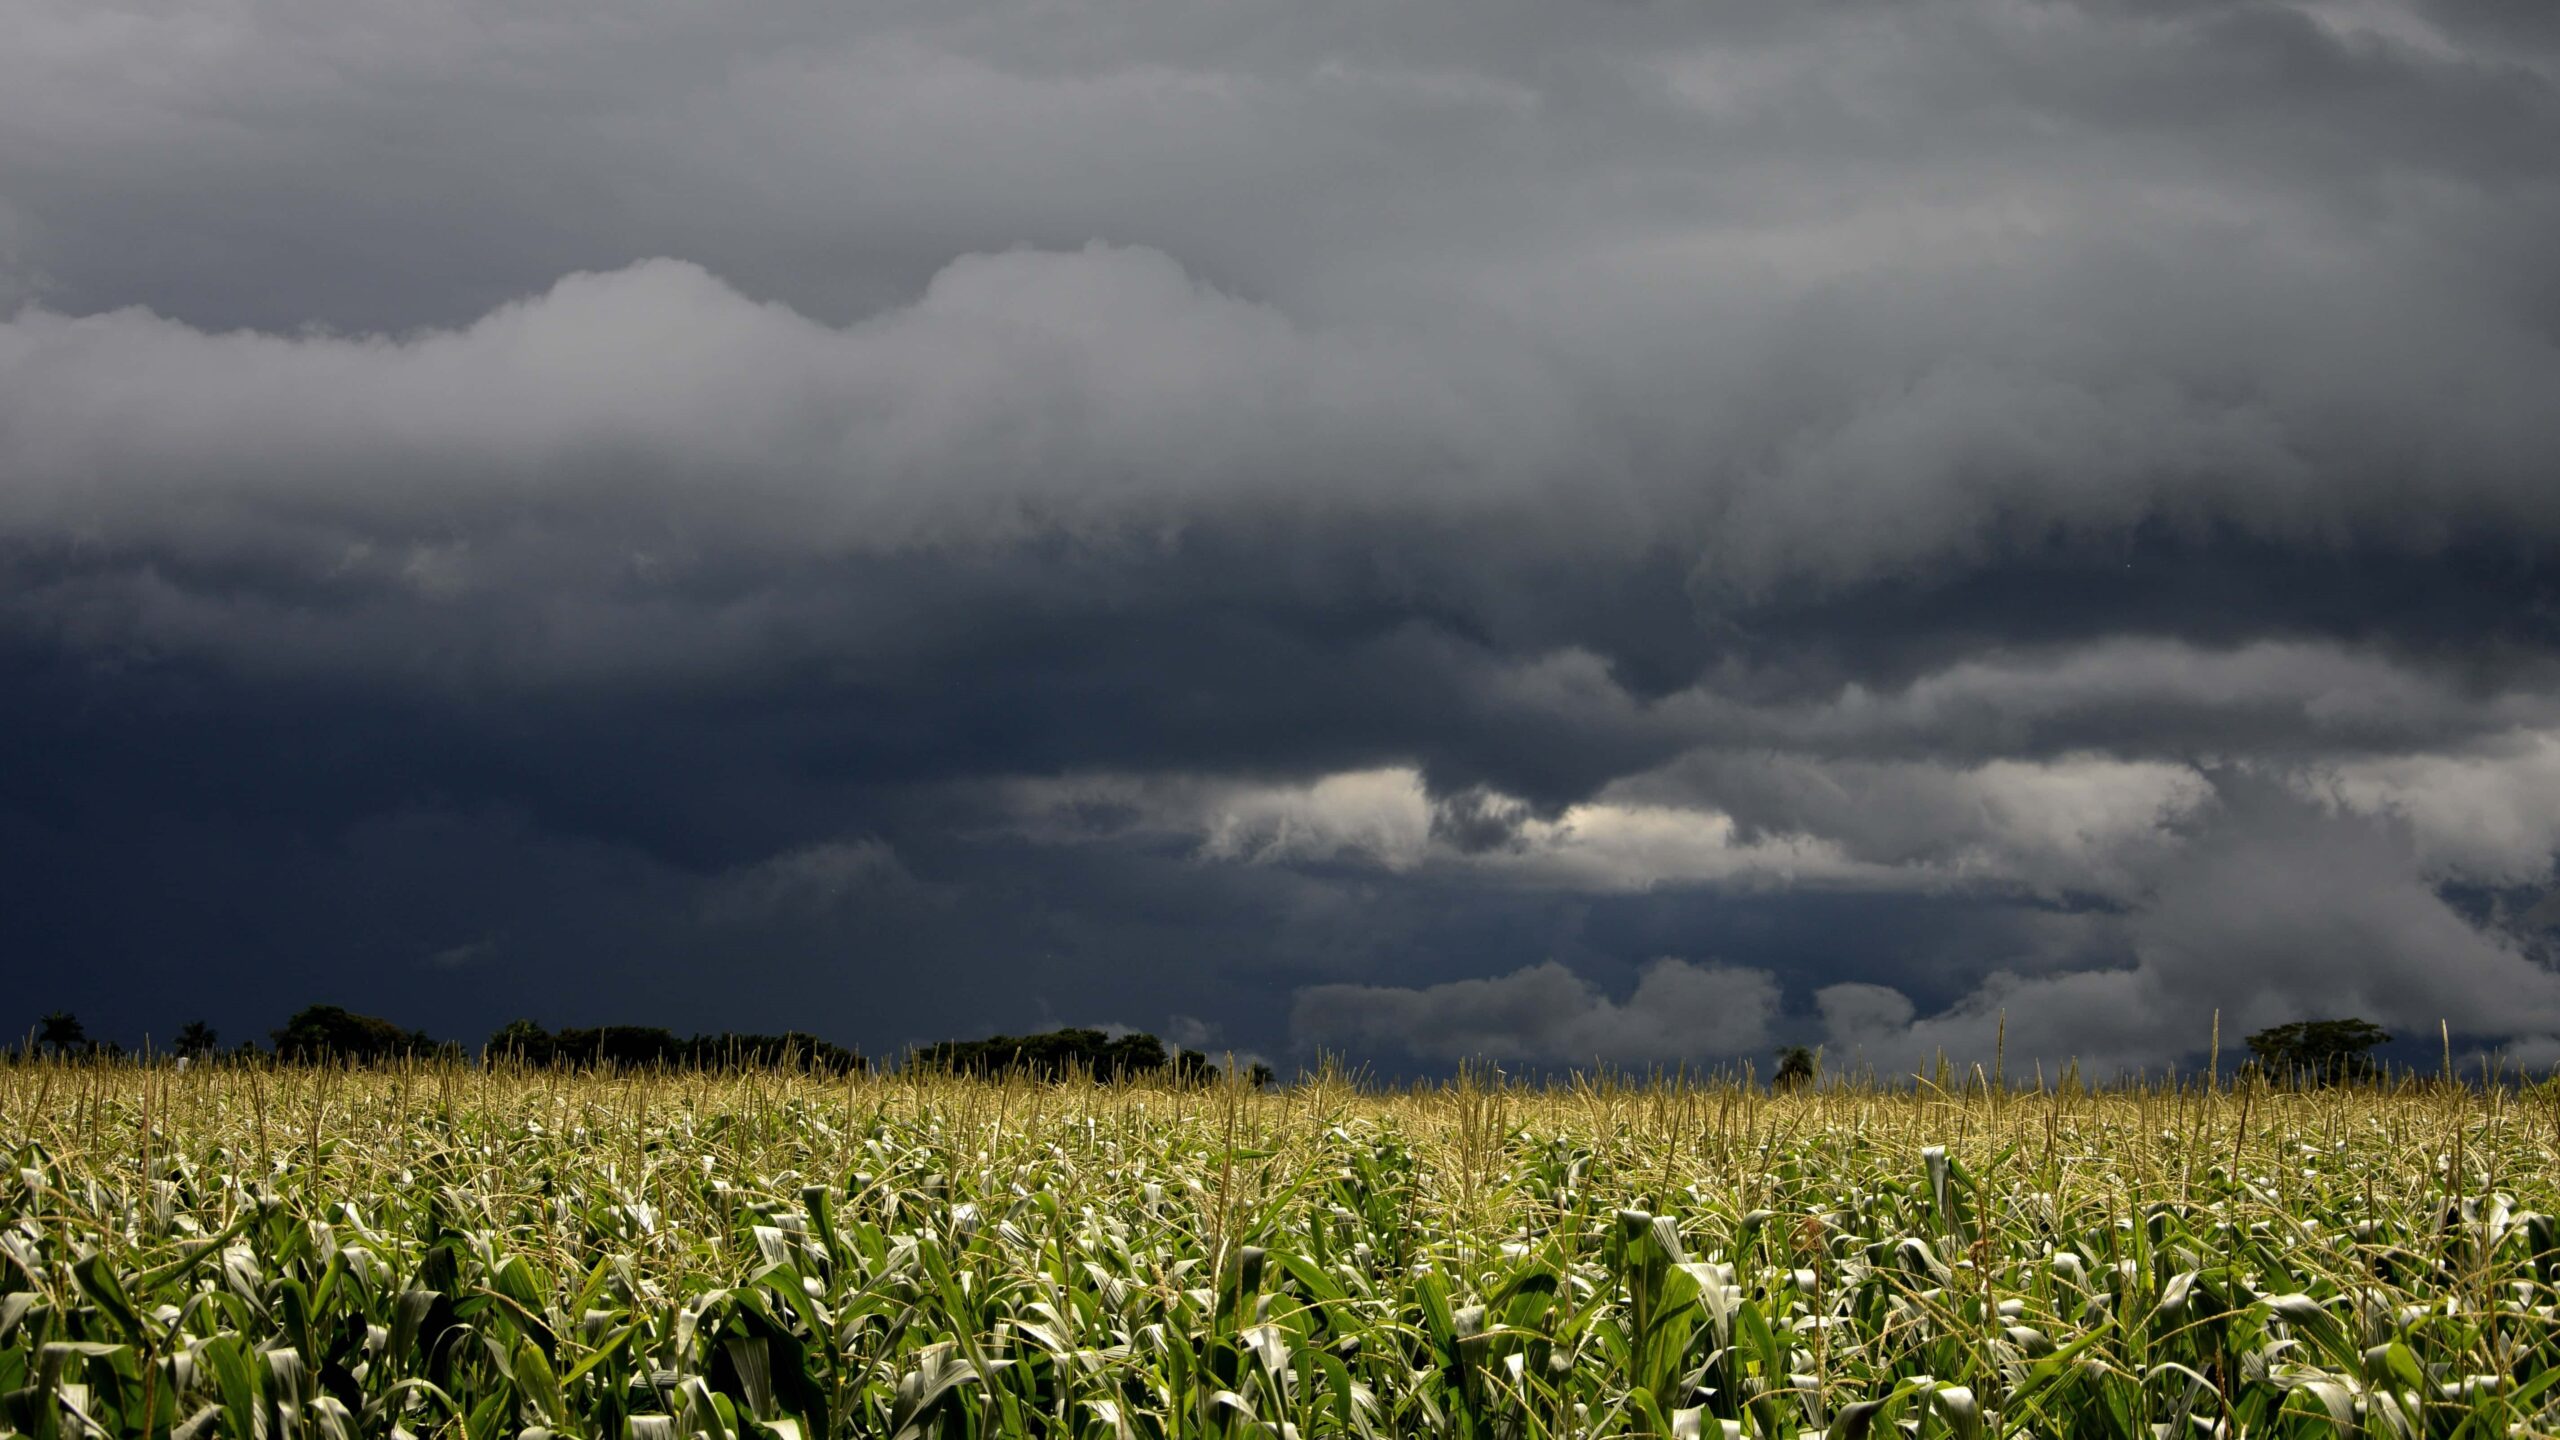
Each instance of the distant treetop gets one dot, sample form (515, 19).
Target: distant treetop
(1797, 1067)
(331, 1032)
(62, 1033)
(1057, 1054)
(525, 1042)
(2319, 1052)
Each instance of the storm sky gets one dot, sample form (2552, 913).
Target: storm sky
(1416, 529)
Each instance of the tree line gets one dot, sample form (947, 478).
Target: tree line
(1058, 1054)
(333, 1034)
(2303, 1053)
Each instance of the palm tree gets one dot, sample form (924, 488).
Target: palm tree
(195, 1038)
(61, 1033)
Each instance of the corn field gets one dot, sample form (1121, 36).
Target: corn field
(266, 1253)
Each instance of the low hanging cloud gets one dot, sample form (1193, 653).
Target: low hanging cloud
(2258, 893)
(2079, 824)
(1388, 819)
(2485, 814)
(2083, 825)
(2281, 909)
(1678, 1011)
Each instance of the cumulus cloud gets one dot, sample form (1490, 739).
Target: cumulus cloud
(2487, 814)
(2082, 825)
(1380, 816)
(2278, 904)
(2281, 909)
(1388, 819)
(1679, 1010)
(1021, 393)
(2087, 824)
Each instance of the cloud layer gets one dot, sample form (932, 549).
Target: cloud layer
(1641, 535)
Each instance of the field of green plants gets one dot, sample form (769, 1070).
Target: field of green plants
(266, 1253)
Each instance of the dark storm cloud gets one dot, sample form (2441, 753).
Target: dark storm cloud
(1455, 513)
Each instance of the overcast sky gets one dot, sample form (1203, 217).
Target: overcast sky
(1635, 532)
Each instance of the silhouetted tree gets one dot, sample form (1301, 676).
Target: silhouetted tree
(330, 1032)
(194, 1038)
(527, 1043)
(2318, 1052)
(521, 1040)
(1056, 1054)
(1260, 1077)
(62, 1033)
(1795, 1069)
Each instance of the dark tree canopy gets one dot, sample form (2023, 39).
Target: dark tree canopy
(331, 1032)
(527, 1043)
(62, 1033)
(1058, 1054)
(2319, 1052)
(194, 1038)
(1795, 1068)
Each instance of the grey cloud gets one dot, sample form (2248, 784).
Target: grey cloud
(1477, 819)
(641, 423)
(1098, 390)
(813, 880)
(1678, 1011)
(1824, 333)
(2131, 696)
(2087, 824)
(2483, 814)
(2282, 909)
(830, 152)
(1856, 1012)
